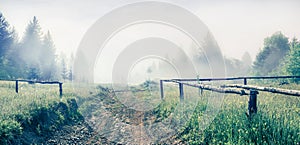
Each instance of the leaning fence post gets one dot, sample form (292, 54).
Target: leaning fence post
(17, 87)
(60, 89)
(161, 89)
(181, 91)
(252, 106)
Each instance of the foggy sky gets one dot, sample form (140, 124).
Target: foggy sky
(237, 26)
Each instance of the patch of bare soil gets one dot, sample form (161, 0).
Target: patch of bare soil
(80, 133)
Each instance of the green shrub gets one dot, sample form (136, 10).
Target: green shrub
(9, 130)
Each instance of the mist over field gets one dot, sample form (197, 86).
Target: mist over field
(149, 72)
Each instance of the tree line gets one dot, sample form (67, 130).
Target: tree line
(280, 55)
(32, 57)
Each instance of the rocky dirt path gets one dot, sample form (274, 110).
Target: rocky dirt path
(99, 125)
(80, 133)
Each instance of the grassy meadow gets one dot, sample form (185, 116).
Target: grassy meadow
(276, 122)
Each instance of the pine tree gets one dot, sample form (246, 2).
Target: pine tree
(34, 73)
(64, 69)
(70, 73)
(6, 38)
(47, 58)
(30, 49)
(7, 42)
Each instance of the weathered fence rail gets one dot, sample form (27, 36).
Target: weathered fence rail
(36, 82)
(266, 89)
(252, 104)
(215, 89)
(234, 78)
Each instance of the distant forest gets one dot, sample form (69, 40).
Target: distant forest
(279, 55)
(31, 57)
(34, 56)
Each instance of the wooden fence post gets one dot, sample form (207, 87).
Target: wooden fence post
(198, 81)
(161, 89)
(181, 91)
(252, 106)
(245, 81)
(60, 89)
(17, 87)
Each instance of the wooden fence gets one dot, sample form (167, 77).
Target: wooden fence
(232, 88)
(36, 82)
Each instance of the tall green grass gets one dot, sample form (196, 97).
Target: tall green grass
(276, 122)
(26, 107)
